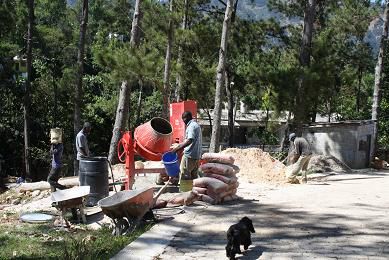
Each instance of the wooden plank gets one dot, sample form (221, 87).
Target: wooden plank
(150, 170)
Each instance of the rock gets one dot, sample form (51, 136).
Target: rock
(139, 165)
(35, 193)
(89, 238)
(16, 201)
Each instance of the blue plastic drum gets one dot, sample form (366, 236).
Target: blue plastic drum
(170, 161)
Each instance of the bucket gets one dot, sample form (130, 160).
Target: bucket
(153, 138)
(170, 161)
(94, 173)
(186, 185)
(56, 135)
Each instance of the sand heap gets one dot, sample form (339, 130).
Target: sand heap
(257, 166)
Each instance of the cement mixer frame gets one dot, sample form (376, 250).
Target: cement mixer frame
(128, 147)
(126, 153)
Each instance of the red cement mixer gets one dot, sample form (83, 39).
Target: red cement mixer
(152, 139)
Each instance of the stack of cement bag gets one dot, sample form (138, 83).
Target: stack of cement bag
(219, 183)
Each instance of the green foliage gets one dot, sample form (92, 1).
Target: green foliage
(31, 241)
(262, 61)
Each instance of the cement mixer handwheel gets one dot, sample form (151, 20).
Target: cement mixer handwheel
(122, 155)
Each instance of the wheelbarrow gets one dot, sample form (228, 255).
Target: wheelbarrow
(73, 198)
(126, 208)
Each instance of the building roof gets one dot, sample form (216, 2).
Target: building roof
(252, 118)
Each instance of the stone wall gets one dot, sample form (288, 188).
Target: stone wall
(349, 142)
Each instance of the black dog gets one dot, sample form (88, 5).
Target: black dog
(239, 234)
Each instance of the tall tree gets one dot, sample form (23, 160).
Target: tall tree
(220, 74)
(305, 59)
(379, 76)
(27, 93)
(230, 107)
(166, 74)
(177, 95)
(80, 74)
(122, 111)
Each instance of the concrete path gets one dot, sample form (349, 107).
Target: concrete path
(338, 217)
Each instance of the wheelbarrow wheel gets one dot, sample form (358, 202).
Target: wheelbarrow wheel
(133, 223)
(121, 227)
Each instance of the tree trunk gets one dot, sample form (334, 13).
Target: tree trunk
(80, 66)
(122, 111)
(166, 74)
(209, 118)
(305, 57)
(230, 97)
(180, 53)
(27, 93)
(214, 146)
(286, 132)
(121, 119)
(137, 121)
(358, 97)
(378, 79)
(55, 112)
(135, 37)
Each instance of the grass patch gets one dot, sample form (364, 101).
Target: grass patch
(43, 241)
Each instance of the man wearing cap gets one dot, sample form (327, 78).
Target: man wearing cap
(82, 141)
(300, 152)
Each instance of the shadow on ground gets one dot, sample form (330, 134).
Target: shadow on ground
(282, 230)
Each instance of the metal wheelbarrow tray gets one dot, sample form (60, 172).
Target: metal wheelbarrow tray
(70, 198)
(129, 204)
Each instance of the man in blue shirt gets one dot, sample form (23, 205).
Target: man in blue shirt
(56, 151)
(192, 146)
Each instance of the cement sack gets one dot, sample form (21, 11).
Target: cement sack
(227, 193)
(227, 180)
(185, 198)
(217, 168)
(230, 198)
(231, 189)
(218, 158)
(209, 199)
(212, 184)
(200, 190)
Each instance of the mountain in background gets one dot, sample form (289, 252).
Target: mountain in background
(258, 10)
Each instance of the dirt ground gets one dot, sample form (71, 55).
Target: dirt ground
(341, 216)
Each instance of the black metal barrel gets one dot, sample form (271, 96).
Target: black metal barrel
(94, 173)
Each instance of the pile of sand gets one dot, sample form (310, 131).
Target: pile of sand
(324, 163)
(257, 166)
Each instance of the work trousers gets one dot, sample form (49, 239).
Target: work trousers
(52, 179)
(189, 167)
(300, 165)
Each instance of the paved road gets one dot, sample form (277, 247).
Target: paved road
(339, 217)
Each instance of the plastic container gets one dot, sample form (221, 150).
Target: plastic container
(153, 138)
(56, 135)
(186, 185)
(170, 161)
(94, 173)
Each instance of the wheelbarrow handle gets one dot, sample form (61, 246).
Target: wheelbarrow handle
(160, 192)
